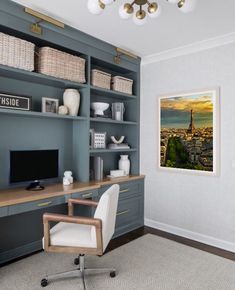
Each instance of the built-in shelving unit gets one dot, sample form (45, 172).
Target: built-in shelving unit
(28, 130)
(21, 223)
(129, 127)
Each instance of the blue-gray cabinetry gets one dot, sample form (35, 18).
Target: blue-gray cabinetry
(21, 224)
(22, 227)
(130, 213)
(35, 130)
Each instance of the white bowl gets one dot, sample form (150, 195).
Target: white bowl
(99, 107)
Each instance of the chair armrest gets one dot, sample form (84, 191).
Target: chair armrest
(72, 201)
(48, 217)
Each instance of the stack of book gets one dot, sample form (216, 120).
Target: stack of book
(118, 146)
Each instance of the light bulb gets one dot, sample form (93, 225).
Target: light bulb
(125, 11)
(173, 1)
(154, 10)
(107, 2)
(95, 6)
(139, 18)
(186, 5)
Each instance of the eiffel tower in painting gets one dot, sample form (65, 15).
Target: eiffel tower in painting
(191, 127)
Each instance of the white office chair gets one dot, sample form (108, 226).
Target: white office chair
(82, 235)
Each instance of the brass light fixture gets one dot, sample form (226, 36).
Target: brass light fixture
(127, 10)
(120, 52)
(35, 27)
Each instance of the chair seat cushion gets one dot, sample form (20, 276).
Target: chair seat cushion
(72, 235)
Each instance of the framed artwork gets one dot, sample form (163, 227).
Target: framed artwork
(50, 105)
(189, 132)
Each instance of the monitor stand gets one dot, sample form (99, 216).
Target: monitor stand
(35, 186)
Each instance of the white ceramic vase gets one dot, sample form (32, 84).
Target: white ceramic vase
(71, 99)
(124, 164)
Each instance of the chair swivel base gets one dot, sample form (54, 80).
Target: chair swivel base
(80, 272)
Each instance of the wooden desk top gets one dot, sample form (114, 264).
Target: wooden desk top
(19, 195)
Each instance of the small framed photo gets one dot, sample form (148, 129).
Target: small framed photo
(50, 105)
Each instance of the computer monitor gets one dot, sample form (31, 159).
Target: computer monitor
(33, 165)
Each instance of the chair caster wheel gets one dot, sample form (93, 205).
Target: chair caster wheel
(76, 261)
(44, 282)
(112, 274)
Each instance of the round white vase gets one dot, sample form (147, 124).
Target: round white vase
(71, 99)
(124, 164)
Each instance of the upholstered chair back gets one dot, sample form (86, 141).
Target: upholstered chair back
(107, 211)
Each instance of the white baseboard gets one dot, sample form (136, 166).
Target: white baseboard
(225, 245)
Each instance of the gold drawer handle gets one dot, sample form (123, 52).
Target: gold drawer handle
(123, 212)
(124, 190)
(44, 203)
(87, 195)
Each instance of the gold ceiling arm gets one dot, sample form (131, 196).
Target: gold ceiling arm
(120, 52)
(102, 5)
(181, 3)
(35, 27)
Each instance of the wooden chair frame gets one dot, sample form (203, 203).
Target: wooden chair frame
(48, 217)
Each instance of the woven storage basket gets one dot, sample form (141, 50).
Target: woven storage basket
(16, 52)
(62, 65)
(101, 79)
(122, 84)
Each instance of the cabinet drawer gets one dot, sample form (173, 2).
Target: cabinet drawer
(3, 211)
(89, 194)
(34, 205)
(127, 189)
(130, 211)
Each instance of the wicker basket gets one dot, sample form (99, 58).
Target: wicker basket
(16, 52)
(62, 65)
(122, 84)
(101, 79)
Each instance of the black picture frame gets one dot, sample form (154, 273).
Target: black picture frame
(15, 102)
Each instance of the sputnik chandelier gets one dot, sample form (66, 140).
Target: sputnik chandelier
(128, 10)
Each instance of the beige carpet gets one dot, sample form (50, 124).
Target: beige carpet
(148, 263)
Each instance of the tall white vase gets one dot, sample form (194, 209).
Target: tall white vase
(124, 164)
(71, 99)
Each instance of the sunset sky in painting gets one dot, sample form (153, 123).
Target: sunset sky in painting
(175, 111)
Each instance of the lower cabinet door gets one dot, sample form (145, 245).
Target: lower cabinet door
(129, 215)
(22, 233)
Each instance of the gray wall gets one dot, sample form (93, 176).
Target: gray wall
(198, 207)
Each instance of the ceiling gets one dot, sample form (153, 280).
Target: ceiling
(173, 29)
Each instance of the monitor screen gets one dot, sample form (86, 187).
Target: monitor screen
(33, 165)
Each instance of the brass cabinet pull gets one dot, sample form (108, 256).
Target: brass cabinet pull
(123, 212)
(87, 195)
(44, 203)
(124, 190)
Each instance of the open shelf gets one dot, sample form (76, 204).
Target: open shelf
(110, 93)
(33, 77)
(107, 120)
(39, 114)
(98, 151)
